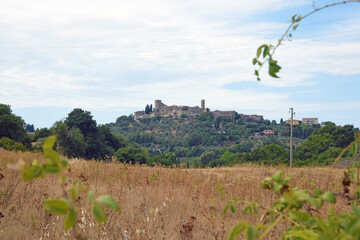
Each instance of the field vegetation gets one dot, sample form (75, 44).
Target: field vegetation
(156, 202)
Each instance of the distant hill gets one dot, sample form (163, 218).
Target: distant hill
(191, 137)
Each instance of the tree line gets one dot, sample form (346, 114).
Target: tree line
(199, 142)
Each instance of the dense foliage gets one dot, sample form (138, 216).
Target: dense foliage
(208, 141)
(79, 136)
(324, 145)
(12, 126)
(12, 145)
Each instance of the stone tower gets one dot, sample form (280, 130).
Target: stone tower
(158, 104)
(203, 105)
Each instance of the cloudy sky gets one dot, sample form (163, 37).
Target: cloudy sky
(114, 57)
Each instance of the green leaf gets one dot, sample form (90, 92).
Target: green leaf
(256, 73)
(70, 219)
(226, 209)
(251, 233)
(237, 230)
(254, 61)
(109, 201)
(354, 149)
(329, 197)
(74, 191)
(271, 216)
(299, 216)
(57, 206)
(52, 168)
(302, 196)
(33, 172)
(273, 68)
(277, 187)
(302, 234)
(298, 19)
(247, 209)
(99, 213)
(64, 164)
(232, 208)
(295, 27)
(52, 156)
(49, 143)
(317, 192)
(266, 51)
(285, 181)
(277, 176)
(258, 52)
(90, 196)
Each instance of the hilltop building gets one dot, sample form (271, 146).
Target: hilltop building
(295, 122)
(310, 121)
(176, 111)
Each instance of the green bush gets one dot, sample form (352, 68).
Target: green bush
(12, 145)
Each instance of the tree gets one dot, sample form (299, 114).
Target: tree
(30, 128)
(12, 126)
(71, 141)
(82, 120)
(40, 133)
(132, 154)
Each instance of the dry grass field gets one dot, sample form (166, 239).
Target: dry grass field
(156, 202)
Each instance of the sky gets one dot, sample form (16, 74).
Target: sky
(112, 58)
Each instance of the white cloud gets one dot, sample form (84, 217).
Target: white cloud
(124, 54)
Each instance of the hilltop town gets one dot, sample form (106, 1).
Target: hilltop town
(176, 111)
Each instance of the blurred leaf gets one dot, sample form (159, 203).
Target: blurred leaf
(109, 201)
(354, 149)
(232, 208)
(317, 192)
(56, 206)
(226, 209)
(74, 191)
(70, 219)
(302, 234)
(277, 176)
(49, 143)
(237, 230)
(90, 196)
(329, 197)
(277, 187)
(33, 172)
(285, 181)
(251, 233)
(64, 163)
(299, 216)
(52, 168)
(52, 156)
(99, 213)
(295, 26)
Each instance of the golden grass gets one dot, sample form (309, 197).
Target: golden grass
(157, 203)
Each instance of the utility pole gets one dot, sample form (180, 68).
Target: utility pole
(291, 136)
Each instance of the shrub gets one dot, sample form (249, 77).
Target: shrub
(12, 145)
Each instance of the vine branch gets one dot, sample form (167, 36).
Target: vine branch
(269, 50)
